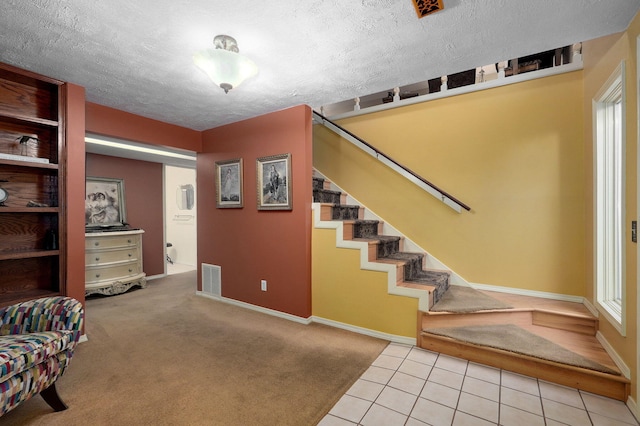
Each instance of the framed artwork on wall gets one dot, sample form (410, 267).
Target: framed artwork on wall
(229, 184)
(274, 182)
(104, 202)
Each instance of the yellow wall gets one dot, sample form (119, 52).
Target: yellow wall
(601, 58)
(345, 293)
(515, 154)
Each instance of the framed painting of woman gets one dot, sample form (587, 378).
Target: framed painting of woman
(229, 184)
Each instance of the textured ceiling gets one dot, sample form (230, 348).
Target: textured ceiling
(136, 55)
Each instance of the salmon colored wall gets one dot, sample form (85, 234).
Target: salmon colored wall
(601, 58)
(120, 124)
(344, 293)
(143, 200)
(251, 245)
(75, 190)
(513, 153)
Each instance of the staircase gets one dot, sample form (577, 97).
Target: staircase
(410, 270)
(568, 324)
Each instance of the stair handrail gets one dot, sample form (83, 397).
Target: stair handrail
(444, 196)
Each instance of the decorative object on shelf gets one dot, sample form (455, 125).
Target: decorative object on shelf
(229, 184)
(51, 240)
(32, 203)
(224, 65)
(3, 196)
(104, 203)
(274, 182)
(24, 144)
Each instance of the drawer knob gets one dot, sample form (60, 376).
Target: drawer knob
(130, 255)
(130, 270)
(97, 275)
(129, 241)
(96, 244)
(97, 259)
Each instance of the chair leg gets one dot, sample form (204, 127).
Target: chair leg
(51, 397)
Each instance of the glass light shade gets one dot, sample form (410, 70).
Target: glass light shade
(225, 68)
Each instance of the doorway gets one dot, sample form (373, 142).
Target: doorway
(180, 219)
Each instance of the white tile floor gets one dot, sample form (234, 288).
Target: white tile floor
(411, 386)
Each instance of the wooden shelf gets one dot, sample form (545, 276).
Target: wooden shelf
(28, 254)
(32, 164)
(4, 209)
(24, 119)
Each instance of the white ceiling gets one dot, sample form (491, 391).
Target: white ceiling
(136, 55)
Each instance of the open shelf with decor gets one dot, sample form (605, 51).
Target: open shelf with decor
(32, 213)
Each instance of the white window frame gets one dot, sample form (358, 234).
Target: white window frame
(609, 199)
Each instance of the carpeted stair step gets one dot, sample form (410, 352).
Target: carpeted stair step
(437, 279)
(413, 263)
(318, 183)
(326, 196)
(343, 212)
(365, 228)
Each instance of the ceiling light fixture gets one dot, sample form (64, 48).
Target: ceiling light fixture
(224, 65)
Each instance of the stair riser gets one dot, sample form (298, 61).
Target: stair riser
(441, 319)
(387, 248)
(412, 268)
(588, 326)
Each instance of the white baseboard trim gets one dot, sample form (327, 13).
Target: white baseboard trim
(261, 309)
(534, 293)
(306, 321)
(624, 369)
(365, 331)
(155, 277)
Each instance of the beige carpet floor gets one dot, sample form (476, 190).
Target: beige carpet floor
(164, 356)
(462, 299)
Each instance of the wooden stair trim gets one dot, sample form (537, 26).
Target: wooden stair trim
(546, 318)
(608, 385)
(569, 321)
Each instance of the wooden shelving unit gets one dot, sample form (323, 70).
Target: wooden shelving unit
(32, 239)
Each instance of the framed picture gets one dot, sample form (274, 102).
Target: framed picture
(229, 184)
(274, 182)
(104, 202)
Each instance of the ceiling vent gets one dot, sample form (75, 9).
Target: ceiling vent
(427, 7)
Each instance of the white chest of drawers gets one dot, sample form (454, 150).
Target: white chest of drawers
(113, 262)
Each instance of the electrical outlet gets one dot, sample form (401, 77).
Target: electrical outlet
(263, 285)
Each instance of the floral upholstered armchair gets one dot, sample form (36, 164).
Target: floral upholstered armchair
(37, 340)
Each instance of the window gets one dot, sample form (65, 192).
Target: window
(609, 119)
